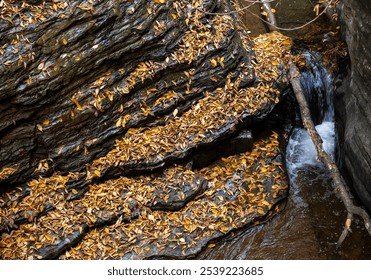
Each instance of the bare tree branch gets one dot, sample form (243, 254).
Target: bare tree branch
(272, 18)
(338, 181)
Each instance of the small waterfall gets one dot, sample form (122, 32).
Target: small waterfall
(317, 84)
(301, 153)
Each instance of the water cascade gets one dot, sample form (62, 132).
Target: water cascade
(301, 153)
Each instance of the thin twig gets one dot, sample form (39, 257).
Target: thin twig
(228, 13)
(298, 27)
(265, 21)
(252, 3)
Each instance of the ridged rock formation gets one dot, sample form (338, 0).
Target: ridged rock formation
(111, 114)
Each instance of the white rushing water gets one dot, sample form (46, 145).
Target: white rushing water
(301, 153)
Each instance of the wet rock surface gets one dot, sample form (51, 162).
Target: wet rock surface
(86, 71)
(353, 99)
(70, 92)
(173, 214)
(241, 189)
(112, 116)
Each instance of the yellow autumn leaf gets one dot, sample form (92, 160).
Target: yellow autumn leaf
(213, 62)
(48, 237)
(119, 122)
(97, 173)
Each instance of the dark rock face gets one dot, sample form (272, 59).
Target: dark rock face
(66, 82)
(353, 107)
(110, 116)
(79, 77)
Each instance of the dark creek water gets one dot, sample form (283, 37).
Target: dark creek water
(313, 218)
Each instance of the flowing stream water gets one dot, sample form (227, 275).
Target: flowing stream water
(313, 218)
(301, 154)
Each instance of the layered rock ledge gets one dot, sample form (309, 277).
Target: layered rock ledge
(134, 129)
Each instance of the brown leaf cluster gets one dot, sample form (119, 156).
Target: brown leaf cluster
(6, 172)
(23, 14)
(271, 51)
(201, 124)
(241, 189)
(104, 202)
(238, 194)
